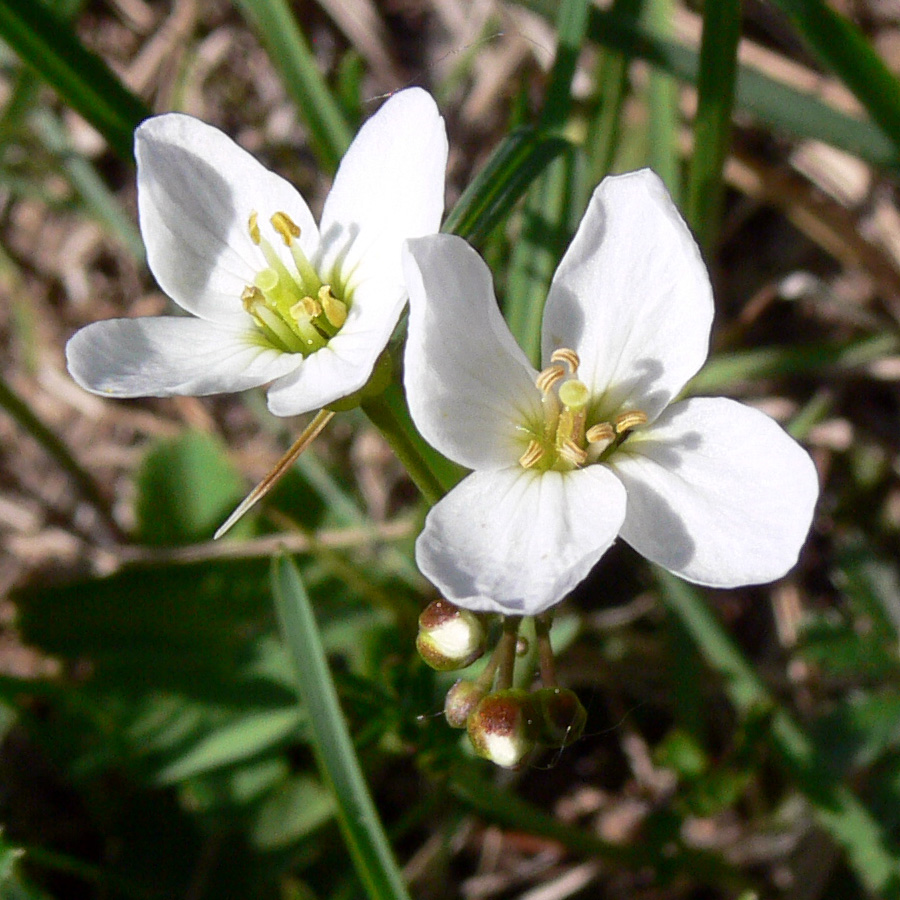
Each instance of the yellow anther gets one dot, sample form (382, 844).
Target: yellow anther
(549, 377)
(573, 453)
(532, 455)
(250, 296)
(335, 310)
(253, 226)
(601, 432)
(306, 308)
(627, 420)
(570, 357)
(286, 227)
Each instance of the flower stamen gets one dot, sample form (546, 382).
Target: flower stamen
(549, 377)
(630, 419)
(532, 455)
(570, 357)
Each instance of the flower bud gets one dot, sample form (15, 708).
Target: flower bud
(561, 716)
(502, 727)
(449, 637)
(461, 700)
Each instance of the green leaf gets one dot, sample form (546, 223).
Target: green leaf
(545, 230)
(493, 192)
(49, 45)
(238, 740)
(712, 123)
(771, 102)
(843, 48)
(185, 488)
(358, 817)
(291, 55)
(299, 806)
(874, 859)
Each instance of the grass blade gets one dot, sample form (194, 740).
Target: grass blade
(536, 254)
(571, 26)
(290, 53)
(48, 44)
(847, 52)
(492, 193)
(662, 100)
(358, 817)
(712, 125)
(770, 101)
(836, 807)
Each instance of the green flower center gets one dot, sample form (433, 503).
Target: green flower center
(295, 311)
(567, 439)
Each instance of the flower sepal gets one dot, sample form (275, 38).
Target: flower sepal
(378, 382)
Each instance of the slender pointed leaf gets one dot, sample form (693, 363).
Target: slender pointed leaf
(712, 124)
(360, 823)
(513, 166)
(50, 46)
(291, 54)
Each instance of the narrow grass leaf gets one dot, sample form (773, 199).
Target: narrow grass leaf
(712, 123)
(291, 54)
(838, 810)
(361, 826)
(571, 26)
(22, 413)
(611, 77)
(493, 192)
(86, 181)
(49, 45)
(536, 253)
(662, 100)
(848, 53)
(770, 101)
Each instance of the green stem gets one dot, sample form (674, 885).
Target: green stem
(21, 412)
(432, 474)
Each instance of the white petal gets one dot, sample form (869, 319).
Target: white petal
(389, 187)
(196, 190)
(469, 386)
(718, 493)
(516, 541)
(160, 357)
(632, 297)
(345, 364)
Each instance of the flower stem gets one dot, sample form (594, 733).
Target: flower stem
(505, 652)
(545, 650)
(432, 473)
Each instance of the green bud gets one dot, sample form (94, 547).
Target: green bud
(461, 700)
(449, 637)
(561, 716)
(502, 727)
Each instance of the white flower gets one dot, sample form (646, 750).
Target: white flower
(590, 448)
(273, 297)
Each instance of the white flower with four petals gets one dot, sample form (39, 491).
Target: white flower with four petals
(272, 296)
(593, 446)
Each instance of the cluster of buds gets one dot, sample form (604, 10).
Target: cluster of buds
(504, 724)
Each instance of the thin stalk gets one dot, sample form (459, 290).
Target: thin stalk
(432, 474)
(307, 436)
(19, 410)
